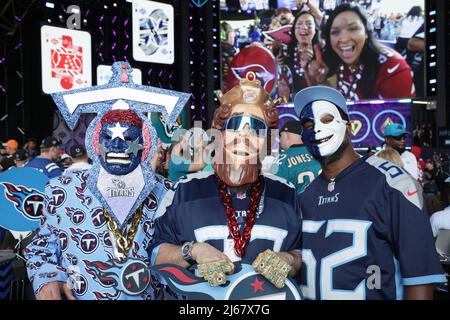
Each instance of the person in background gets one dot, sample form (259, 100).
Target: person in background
(391, 155)
(441, 219)
(182, 161)
(8, 160)
(45, 162)
(364, 68)
(295, 163)
(64, 161)
(305, 52)
(416, 49)
(431, 196)
(395, 137)
(417, 151)
(20, 158)
(80, 159)
(408, 27)
(32, 148)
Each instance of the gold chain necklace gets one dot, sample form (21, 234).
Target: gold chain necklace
(124, 242)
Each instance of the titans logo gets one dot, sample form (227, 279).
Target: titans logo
(28, 202)
(98, 218)
(244, 284)
(63, 240)
(85, 240)
(79, 284)
(130, 276)
(151, 202)
(75, 215)
(59, 196)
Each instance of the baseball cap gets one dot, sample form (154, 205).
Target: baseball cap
(12, 144)
(20, 155)
(292, 126)
(394, 130)
(50, 142)
(77, 151)
(315, 93)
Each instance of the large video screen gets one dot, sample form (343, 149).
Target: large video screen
(366, 49)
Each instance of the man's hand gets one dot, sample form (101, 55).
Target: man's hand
(52, 291)
(273, 267)
(213, 265)
(204, 252)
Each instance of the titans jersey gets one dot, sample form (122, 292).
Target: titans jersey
(73, 242)
(297, 166)
(367, 236)
(46, 166)
(193, 211)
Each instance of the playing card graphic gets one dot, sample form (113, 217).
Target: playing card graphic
(66, 59)
(104, 73)
(153, 32)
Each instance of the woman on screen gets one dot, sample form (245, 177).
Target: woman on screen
(305, 52)
(364, 68)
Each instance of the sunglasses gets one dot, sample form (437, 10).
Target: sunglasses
(255, 125)
(398, 138)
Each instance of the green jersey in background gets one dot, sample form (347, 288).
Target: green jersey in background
(297, 166)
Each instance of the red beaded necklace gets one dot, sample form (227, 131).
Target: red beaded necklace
(240, 241)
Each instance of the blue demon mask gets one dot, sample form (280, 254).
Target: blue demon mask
(120, 145)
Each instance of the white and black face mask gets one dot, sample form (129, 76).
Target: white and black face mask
(328, 129)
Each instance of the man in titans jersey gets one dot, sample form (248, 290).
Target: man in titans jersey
(366, 233)
(233, 213)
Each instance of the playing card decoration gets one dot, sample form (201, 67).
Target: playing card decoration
(153, 32)
(65, 58)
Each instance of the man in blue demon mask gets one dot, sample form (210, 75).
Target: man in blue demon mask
(98, 223)
(123, 143)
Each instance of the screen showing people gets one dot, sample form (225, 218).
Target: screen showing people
(365, 49)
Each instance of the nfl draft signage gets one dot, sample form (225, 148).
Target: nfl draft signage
(21, 198)
(65, 59)
(153, 32)
(243, 284)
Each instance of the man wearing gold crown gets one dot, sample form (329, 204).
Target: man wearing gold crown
(93, 238)
(234, 213)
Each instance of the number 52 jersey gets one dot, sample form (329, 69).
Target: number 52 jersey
(367, 235)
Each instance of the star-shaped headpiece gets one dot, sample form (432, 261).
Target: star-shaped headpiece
(120, 93)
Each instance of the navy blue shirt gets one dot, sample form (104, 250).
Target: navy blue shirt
(193, 211)
(367, 236)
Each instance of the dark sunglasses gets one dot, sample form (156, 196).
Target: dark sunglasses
(398, 138)
(255, 125)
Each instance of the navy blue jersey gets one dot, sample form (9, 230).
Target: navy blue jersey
(46, 166)
(367, 236)
(193, 211)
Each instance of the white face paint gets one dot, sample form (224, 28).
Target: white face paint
(329, 127)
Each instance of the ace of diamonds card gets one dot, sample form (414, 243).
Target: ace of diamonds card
(66, 59)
